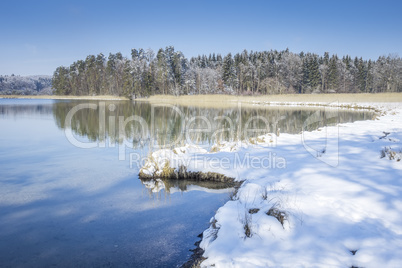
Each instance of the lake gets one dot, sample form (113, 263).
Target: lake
(69, 189)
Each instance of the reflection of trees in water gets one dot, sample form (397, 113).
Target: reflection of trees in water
(26, 109)
(181, 125)
(156, 188)
(168, 125)
(87, 122)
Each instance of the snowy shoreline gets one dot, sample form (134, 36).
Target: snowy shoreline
(339, 192)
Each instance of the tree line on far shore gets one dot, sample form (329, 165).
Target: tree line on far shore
(247, 73)
(26, 85)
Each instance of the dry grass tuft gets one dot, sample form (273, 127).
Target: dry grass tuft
(281, 216)
(391, 154)
(247, 225)
(167, 171)
(253, 210)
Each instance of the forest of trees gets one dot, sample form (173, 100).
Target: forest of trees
(246, 73)
(25, 85)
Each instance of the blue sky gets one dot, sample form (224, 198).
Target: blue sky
(38, 36)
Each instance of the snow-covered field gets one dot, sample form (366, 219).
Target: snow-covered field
(327, 198)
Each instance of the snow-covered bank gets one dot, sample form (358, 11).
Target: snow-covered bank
(338, 190)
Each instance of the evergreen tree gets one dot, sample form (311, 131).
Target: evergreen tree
(333, 76)
(162, 71)
(369, 77)
(228, 71)
(60, 81)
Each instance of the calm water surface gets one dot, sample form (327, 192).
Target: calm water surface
(67, 206)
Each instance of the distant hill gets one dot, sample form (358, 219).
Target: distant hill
(26, 85)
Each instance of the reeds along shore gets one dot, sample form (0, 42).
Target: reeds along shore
(222, 100)
(360, 97)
